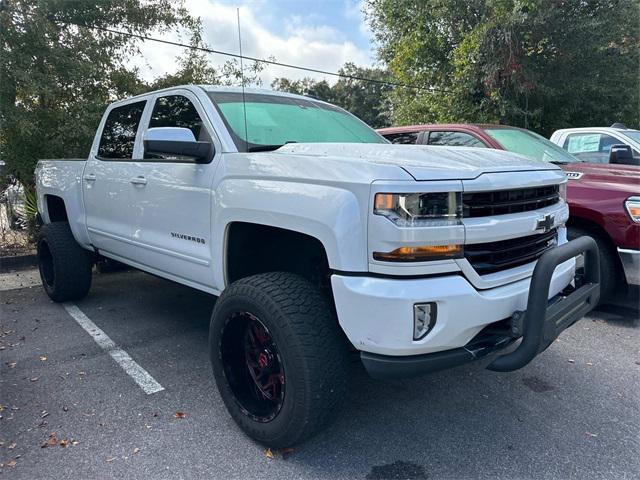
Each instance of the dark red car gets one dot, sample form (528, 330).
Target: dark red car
(604, 199)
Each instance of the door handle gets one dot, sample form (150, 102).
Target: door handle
(139, 180)
(90, 177)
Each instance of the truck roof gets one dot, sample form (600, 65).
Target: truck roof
(219, 88)
(588, 129)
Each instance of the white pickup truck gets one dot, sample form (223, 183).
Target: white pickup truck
(321, 239)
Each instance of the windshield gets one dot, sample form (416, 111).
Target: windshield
(633, 134)
(531, 145)
(274, 120)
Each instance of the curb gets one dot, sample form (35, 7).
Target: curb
(19, 262)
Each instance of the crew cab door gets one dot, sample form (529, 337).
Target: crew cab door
(173, 198)
(106, 186)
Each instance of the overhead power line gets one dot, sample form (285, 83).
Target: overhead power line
(253, 59)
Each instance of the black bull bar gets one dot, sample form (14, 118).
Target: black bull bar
(543, 320)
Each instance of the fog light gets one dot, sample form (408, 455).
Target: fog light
(424, 318)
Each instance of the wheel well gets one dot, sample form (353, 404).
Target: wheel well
(56, 209)
(254, 248)
(596, 230)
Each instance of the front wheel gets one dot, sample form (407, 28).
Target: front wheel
(611, 277)
(65, 267)
(278, 357)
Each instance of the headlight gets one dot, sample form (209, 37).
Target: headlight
(562, 191)
(633, 208)
(420, 209)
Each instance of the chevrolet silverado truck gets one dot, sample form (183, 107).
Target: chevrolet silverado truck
(321, 240)
(604, 199)
(615, 144)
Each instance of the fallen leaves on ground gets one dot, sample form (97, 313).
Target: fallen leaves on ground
(12, 364)
(43, 358)
(11, 464)
(136, 450)
(12, 446)
(268, 453)
(180, 415)
(109, 460)
(591, 434)
(571, 360)
(52, 441)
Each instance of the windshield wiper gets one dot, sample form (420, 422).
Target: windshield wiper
(268, 148)
(263, 148)
(559, 162)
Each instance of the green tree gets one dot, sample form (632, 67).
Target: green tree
(541, 64)
(194, 67)
(365, 99)
(56, 77)
(304, 86)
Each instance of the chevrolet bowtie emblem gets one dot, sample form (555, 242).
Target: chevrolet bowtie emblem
(546, 223)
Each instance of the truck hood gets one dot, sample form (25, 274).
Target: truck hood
(625, 178)
(423, 162)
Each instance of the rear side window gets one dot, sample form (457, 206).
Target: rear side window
(119, 132)
(454, 139)
(590, 147)
(178, 111)
(409, 138)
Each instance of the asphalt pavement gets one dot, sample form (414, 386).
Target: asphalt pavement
(70, 410)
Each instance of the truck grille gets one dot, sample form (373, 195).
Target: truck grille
(496, 256)
(500, 202)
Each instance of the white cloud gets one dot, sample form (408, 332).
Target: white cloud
(301, 41)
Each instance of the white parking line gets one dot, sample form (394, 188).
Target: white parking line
(122, 358)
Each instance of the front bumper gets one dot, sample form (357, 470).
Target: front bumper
(630, 259)
(534, 308)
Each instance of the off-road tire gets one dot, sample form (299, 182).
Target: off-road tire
(65, 267)
(309, 341)
(611, 279)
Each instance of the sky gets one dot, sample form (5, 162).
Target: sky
(322, 34)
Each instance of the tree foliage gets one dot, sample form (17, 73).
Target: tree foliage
(366, 100)
(541, 64)
(56, 77)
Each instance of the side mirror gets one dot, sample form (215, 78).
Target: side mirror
(176, 142)
(622, 155)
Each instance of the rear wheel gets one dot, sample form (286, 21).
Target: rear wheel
(278, 356)
(65, 267)
(611, 279)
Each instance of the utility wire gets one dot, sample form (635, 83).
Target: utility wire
(254, 59)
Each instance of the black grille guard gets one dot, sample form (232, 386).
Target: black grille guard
(543, 321)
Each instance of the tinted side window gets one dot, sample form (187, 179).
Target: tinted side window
(454, 139)
(119, 132)
(590, 147)
(409, 138)
(177, 111)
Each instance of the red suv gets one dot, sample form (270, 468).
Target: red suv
(604, 199)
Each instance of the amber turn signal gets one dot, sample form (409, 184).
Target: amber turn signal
(422, 253)
(384, 201)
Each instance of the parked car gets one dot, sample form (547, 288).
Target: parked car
(319, 237)
(603, 199)
(614, 144)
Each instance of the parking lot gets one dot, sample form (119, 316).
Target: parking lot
(70, 410)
